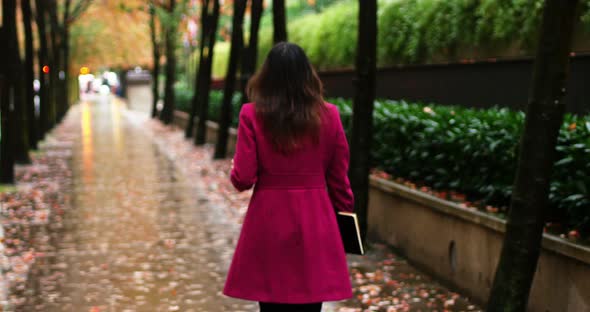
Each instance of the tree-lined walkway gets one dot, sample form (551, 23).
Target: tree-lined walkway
(136, 237)
(144, 233)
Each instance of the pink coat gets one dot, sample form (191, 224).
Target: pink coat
(290, 250)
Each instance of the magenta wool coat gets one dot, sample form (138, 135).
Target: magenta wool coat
(290, 249)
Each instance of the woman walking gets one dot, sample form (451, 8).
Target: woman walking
(292, 147)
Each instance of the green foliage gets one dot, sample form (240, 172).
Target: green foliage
(215, 101)
(220, 59)
(506, 21)
(475, 152)
(416, 31)
(334, 44)
(264, 43)
(183, 96)
(570, 189)
(329, 38)
(586, 14)
(82, 36)
(170, 20)
(413, 31)
(294, 10)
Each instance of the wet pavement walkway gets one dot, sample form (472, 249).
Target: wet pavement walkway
(140, 235)
(136, 237)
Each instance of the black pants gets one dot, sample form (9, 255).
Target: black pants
(281, 307)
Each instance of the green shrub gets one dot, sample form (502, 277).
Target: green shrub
(264, 44)
(508, 21)
(215, 101)
(329, 38)
(585, 17)
(415, 31)
(220, 59)
(475, 152)
(184, 96)
(570, 187)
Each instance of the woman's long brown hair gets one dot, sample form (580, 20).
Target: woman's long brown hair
(287, 93)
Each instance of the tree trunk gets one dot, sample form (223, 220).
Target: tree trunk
(20, 138)
(54, 63)
(251, 51)
(169, 96)
(6, 116)
(29, 73)
(6, 157)
(526, 218)
(66, 59)
(237, 42)
(362, 119)
(279, 20)
(43, 58)
(205, 25)
(156, 54)
(203, 95)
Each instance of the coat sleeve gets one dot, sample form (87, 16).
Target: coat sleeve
(245, 170)
(337, 173)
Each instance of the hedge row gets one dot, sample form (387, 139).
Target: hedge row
(329, 38)
(470, 151)
(415, 31)
(475, 152)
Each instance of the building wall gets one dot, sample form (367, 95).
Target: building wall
(483, 84)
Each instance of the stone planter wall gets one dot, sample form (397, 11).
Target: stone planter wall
(462, 247)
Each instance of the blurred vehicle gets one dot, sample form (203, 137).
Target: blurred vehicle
(36, 85)
(86, 83)
(96, 83)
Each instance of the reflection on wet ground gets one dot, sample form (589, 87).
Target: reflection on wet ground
(136, 237)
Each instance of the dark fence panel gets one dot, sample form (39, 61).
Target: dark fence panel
(484, 84)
